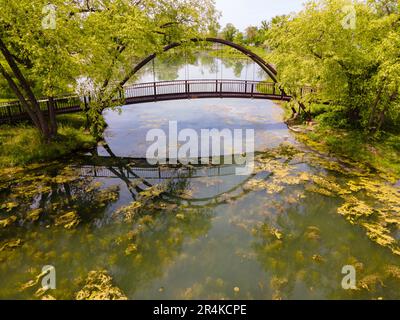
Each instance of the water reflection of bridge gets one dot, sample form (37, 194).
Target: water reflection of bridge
(222, 181)
(157, 173)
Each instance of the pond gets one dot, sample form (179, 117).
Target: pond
(115, 227)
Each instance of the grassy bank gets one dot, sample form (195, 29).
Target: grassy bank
(21, 144)
(380, 153)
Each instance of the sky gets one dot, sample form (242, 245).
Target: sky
(243, 13)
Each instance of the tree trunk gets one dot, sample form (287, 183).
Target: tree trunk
(52, 117)
(30, 104)
(374, 107)
(382, 117)
(385, 109)
(307, 113)
(20, 97)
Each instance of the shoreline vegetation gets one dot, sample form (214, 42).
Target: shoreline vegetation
(377, 153)
(228, 52)
(22, 145)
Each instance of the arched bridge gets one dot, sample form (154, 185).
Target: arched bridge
(196, 89)
(170, 90)
(267, 67)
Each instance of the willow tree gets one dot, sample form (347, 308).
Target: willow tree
(37, 55)
(48, 49)
(387, 54)
(118, 34)
(346, 50)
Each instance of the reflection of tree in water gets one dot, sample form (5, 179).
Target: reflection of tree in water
(300, 245)
(51, 205)
(71, 222)
(215, 63)
(304, 252)
(168, 64)
(207, 61)
(146, 243)
(153, 228)
(147, 235)
(154, 241)
(44, 196)
(235, 64)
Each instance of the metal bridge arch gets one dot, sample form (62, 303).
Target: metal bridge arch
(267, 67)
(173, 90)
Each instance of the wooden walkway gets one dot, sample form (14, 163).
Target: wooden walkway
(160, 91)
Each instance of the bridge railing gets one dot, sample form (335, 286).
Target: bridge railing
(244, 87)
(153, 91)
(11, 111)
(156, 173)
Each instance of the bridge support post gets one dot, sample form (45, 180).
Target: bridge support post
(155, 91)
(187, 89)
(245, 86)
(85, 110)
(9, 113)
(252, 90)
(85, 103)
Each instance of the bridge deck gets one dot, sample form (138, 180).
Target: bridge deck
(194, 89)
(160, 91)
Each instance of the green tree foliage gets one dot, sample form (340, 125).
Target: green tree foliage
(253, 35)
(119, 34)
(37, 54)
(91, 48)
(352, 65)
(229, 32)
(239, 38)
